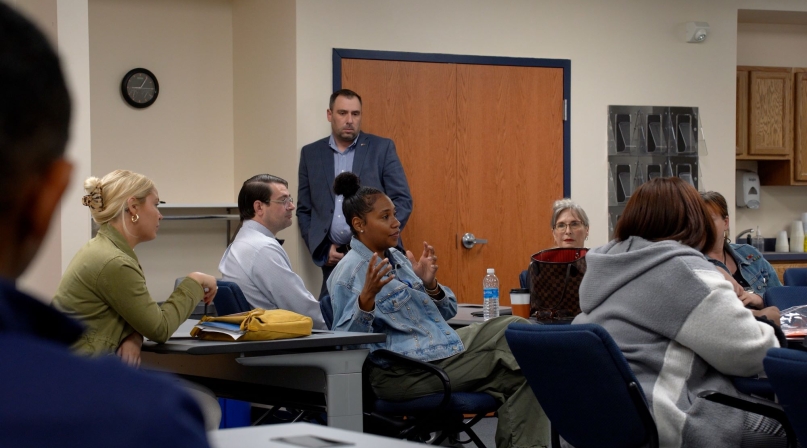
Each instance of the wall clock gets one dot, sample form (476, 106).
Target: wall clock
(139, 88)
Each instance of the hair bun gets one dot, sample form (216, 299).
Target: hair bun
(346, 184)
(91, 184)
(94, 198)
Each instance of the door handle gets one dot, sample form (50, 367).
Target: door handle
(469, 240)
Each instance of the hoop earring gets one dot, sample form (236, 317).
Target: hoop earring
(135, 218)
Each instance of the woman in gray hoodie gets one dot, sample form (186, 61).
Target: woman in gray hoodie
(677, 319)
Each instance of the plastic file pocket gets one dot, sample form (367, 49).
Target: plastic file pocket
(646, 142)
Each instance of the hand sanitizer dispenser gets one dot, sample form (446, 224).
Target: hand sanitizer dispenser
(747, 189)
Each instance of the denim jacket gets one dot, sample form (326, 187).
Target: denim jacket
(755, 269)
(415, 323)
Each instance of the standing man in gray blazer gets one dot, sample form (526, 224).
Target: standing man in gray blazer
(372, 158)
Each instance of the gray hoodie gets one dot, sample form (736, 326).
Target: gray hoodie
(682, 329)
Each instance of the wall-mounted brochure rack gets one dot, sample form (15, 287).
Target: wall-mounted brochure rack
(645, 142)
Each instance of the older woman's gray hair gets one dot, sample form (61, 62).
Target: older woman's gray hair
(567, 204)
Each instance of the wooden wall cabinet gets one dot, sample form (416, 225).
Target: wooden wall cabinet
(742, 112)
(800, 127)
(770, 112)
(768, 129)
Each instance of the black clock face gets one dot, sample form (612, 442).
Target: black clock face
(140, 88)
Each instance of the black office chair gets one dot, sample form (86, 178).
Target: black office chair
(417, 419)
(584, 385)
(230, 299)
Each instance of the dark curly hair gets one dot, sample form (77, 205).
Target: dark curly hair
(358, 200)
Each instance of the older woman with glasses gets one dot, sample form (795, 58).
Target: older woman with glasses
(569, 224)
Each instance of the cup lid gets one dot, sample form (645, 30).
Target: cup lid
(519, 291)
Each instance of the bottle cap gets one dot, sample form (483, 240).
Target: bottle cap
(491, 271)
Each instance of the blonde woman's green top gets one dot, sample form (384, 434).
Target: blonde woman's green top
(104, 288)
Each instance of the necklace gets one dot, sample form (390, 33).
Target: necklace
(724, 259)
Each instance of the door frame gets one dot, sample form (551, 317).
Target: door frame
(565, 64)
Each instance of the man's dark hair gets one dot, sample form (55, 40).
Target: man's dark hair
(34, 104)
(256, 188)
(347, 93)
(667, 208)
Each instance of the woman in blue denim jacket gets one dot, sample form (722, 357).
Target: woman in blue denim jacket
(743, 262)
(375, 288)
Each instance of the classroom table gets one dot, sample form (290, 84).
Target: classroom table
(463, 318)
(317, 372)
(295, 435)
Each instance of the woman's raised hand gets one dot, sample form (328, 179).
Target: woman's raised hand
(208, 283)
(374, 282)
(426, 267)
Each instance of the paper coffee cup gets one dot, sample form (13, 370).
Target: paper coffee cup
(520, 302)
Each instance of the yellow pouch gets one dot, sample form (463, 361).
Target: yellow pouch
(259, 325)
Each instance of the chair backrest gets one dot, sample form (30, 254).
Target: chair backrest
(230, 299)
(787, 372)
(201, 309)
(326, 308)
(584, 384)
(784, 297)
(795, 277)
(524, 279)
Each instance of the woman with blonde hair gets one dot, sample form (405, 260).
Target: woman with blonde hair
(104, 286)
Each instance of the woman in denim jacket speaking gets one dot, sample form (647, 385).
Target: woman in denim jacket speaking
(749, 270)
(377, 289)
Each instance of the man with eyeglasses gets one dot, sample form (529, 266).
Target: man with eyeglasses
(372, 158)
(256, 261)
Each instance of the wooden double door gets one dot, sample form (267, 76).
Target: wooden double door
(482, 147)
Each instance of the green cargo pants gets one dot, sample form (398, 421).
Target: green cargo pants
(486, 365)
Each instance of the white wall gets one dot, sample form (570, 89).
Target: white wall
(265, 91)
(778, 46)
(184, 141)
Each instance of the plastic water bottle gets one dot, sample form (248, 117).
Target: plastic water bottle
(491, 294)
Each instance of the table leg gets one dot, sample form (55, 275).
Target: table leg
(343, 388)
